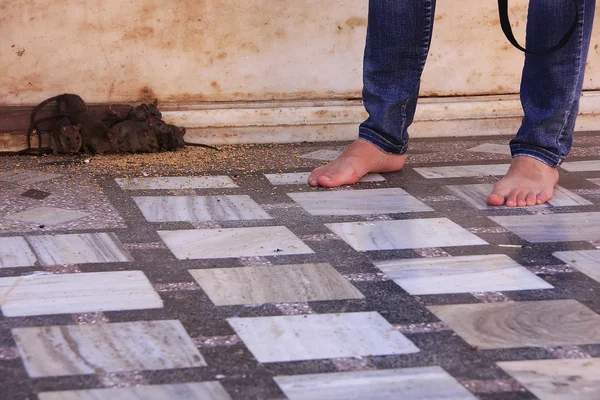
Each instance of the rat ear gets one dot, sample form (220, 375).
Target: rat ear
(182, 131)
(78, 126)
(111, 135)
(63, 129)
(155, 102)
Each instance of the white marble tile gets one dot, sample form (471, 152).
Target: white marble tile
(47, 215)
(557, 379)
(319, 336)
(404, 234)
(97, 349)
(78, 248)
(176, 182)
(274, 284)
(359, 202)
(476, 196)
(76, 293)
(15, 252)
(324, 155)
(506, 325)
(595, 181)
(464, 274)
(553, 227)
(233, 242)
(26, 177)
(180, 391)
(463, 171)
(425, 383)
(564, 198)
(199, 208)
(491, 148)
(581, 166)
(300, 178)
(586, 261)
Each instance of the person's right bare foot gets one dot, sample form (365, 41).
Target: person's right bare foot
(360, 158)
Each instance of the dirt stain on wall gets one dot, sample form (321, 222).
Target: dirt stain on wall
(146, 94)
(356, 22)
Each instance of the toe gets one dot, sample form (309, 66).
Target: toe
(498, 196)
(521, 199)
(542, 198)
(313, 178)
(325, 180)
(531, 199)
(511, 199)
(495, 199)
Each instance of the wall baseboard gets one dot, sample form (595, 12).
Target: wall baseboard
(314, 121)
(435, 117)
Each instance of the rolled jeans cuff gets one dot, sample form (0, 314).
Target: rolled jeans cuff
(538, 153)
(381, 143)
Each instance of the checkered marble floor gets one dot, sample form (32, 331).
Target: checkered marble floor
(254, 285)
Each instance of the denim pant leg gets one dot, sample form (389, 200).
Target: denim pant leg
(551, 84)
(398, 38)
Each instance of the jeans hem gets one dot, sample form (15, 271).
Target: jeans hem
(539, 154)
(381, 143)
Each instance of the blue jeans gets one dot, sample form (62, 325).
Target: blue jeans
(398, 38)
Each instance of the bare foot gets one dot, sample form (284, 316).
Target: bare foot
(360, 158)
(528, 182)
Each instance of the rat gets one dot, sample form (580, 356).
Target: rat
(65, 137)
(144, 112)
(66, 104)
(93, 132)
(110, 117)
(171, 137)
(133, 137)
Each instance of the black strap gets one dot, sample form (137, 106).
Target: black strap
(505, 23)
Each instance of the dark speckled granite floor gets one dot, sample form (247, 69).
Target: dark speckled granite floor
(135, 277)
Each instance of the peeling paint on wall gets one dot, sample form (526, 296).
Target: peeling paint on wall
(190, 51)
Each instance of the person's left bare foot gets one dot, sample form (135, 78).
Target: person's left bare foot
(528, 182)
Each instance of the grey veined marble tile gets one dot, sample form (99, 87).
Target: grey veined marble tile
(275, 284)
(485, 273)
(199, 208)
(476, 196)
(319, 336)
(300, 178)
(558, 379)
(463, 171)
(586, 261)
(47, 215)
(26, 177)
(581, 166)
(176, 182)
(75, 293)
(78, 248)
(233, 242)
(359, 202)
(324, 155)
(425, 383)
(96, 349)
(523, 324)
(491, 148)
(180, 391)
(553, 227)
(404, 234)
(15, 252)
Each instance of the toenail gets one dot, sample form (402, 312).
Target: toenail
(325, 178)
